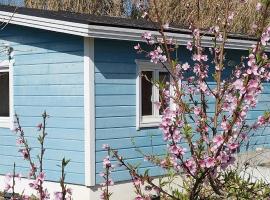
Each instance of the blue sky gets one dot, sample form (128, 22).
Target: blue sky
(14, 2)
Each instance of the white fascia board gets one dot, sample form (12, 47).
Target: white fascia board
(108, 32)
(44, 23)
(182, 39)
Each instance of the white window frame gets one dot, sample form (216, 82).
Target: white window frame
(155, 119)
(8, 122)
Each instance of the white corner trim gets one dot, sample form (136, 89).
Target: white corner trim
(89, 111)
(108, 32)
(138, 98)
(11, 94)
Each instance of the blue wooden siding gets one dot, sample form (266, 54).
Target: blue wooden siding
(116, 106)
(48, 75)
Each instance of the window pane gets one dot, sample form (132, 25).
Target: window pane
(4, 94)
(164, 77)
(146, 88)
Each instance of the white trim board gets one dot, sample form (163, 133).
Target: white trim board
(97, 31)
(7, 66)
(89, 112)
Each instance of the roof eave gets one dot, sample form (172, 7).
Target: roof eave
(108, 32)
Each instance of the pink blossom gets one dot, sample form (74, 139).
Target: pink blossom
(110, 182)
(258, 6)
(238, 84)
(265, 38)
(261, 120)
(201, 163)
(233, 146)
(106, 162)
(25, 154)
(144, 14)
(58, 195)
(254, 27)
(176, 135)
(177, 150)
(203, 86)
(137, 181)
(156, 55)
(69, 191)
(230, 17)
(166, 26)
(209, 162)
(139, 197)
(185, 66)
(105, 146)
(223, 157)
(19, 141)
(191, 165)
(189, 46)
(41, 177)
(225, 125)
(25, 197)
(197, 57)
(218, 140)
(197, 110)
(137, 47)
(39, 126)
(147, 36)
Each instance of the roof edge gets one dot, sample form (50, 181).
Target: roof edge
(88, 28)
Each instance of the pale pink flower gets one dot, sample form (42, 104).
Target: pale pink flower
(261, 120)
(238, 84)
(218, 140)
(25, 197)
(137, 47)
(144, 14)
(166, 26)
(185, 66)
(265, 38)
(106, 162)
(24, 153)
(58, 195)
(147, 36)
(203, 86)
(225, 125)
(233, 146)
(137, 181)
(258, 6)
(105, 146)
(209, 162)
(197, 110)
(191, 165)
(189, 46)
(231, 16)
(139, 197)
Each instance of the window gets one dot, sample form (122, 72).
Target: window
(5, 95)
(147, 94)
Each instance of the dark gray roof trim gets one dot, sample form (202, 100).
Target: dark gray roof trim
(101, 20)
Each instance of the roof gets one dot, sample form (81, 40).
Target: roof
(88, 25)
(91, 19)
(81, 18)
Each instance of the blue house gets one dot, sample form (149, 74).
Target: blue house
(83, 71)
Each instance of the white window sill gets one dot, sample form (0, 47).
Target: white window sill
(4, 122)
(149, 122)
